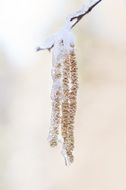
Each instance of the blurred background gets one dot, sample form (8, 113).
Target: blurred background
(26, 160)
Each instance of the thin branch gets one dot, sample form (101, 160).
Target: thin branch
(79, 17)
(40, 49)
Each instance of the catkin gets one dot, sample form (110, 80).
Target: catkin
(70, 85)
(56, 103)
(64, 95)
(65, 107)
(72, 100)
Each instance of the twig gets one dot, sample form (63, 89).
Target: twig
(79, 17)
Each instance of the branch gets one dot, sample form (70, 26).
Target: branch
(71, 21)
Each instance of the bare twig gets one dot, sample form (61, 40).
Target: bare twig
(39, 48)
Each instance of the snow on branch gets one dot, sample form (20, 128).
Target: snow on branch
(71, 21)
(84, 11)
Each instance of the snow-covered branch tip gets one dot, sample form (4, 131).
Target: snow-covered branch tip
(71, 21)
